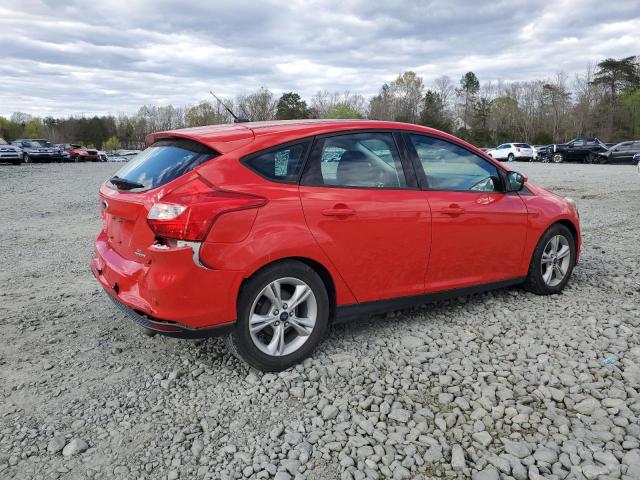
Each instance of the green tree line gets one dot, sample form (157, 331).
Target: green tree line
(602, 101)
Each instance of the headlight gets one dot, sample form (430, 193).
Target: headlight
(573, 203)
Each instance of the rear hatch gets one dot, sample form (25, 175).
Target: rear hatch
(524, 149)
(126, 197)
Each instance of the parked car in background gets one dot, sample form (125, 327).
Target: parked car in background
(620, 153)
(583, 150)
(125, 154)
(636, 160)
(10, 153)
(542, 152)
(513, 151)
(57, 152)
(37, 150)
(103, 156)
(78, 153)
(62, 148)
(266, 233)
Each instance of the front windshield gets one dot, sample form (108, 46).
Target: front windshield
(32, 144)
(44, 143)
(3, 141)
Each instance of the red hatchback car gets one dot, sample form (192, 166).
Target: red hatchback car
(268, 232)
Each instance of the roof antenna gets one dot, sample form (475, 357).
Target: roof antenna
(235, 119)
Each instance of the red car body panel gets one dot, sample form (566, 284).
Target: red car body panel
(478, 237)
(382, 251)
(399, 243)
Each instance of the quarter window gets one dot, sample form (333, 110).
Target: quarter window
(367, 160)
(450, 167)
(281, 164)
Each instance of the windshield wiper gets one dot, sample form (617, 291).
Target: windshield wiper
(124, 184)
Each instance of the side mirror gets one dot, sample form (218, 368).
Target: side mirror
(514, 181)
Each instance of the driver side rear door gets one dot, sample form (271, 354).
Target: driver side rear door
(478, 231)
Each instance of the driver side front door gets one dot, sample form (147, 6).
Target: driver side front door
(478, 231)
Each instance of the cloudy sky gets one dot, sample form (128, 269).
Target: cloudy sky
(61, 57)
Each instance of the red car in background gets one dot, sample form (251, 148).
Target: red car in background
(268, 232)
(78, 153)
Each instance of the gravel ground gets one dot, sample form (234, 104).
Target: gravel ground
(499, 385)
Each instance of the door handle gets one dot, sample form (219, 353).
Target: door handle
(453, 210)
(338, 212)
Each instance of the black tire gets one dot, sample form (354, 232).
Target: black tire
(535, 282)
(590, 158)
(510, 157)
(26, 159)
(74, 158)
(239, 341)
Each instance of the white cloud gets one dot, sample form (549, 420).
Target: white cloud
(63, 57)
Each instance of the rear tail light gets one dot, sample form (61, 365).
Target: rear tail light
(517, 149)
(188, 212)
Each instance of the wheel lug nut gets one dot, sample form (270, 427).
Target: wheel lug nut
(275, 312)
(284, 305)
(277, 323)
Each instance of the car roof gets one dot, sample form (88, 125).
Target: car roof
(227, 137)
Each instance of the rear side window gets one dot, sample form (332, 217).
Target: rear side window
(162, 162)
(522, 145)
(280, 164)
(366, 160)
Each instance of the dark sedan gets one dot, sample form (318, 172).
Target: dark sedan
(623, 152)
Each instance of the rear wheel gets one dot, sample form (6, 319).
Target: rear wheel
(590, 158)
(557, 158)
(552, 261)
(283, 312)
(26, 158)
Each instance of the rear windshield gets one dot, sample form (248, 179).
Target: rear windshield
(162, 162)
(522, 145)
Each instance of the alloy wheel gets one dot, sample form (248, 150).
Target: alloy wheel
(556, 158)
(556, 258)
(283, 316)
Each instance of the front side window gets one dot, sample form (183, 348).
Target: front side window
(366, 160)
(578, 143)
(280, 164)
(450, 167)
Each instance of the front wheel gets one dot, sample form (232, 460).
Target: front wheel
(26, 158)
(552, 261)
(557, 158)
(283, 313)
(511, 157)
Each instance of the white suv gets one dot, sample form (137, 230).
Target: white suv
(513, 151)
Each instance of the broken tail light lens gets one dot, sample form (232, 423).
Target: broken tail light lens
(189, 212)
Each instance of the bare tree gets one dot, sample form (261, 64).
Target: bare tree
(257, 106)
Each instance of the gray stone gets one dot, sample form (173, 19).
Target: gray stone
(329, 412)
(489, 473)
(56, 444)
(74, 447)
(457, 457)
